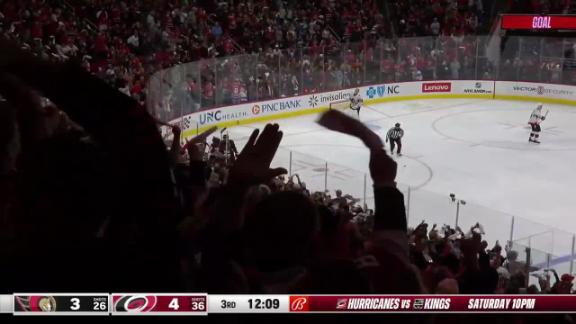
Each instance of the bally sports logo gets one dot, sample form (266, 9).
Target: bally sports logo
(299, 304)
(437, 87)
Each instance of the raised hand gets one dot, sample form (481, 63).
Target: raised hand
(176, 129)
(382, 169)
(340, 122)
(253, 163)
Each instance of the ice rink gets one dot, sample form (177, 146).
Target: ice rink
(476, 149)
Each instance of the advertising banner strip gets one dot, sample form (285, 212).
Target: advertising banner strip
(314, 103)
(435, 304)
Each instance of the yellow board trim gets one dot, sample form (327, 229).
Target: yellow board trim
(194, 132)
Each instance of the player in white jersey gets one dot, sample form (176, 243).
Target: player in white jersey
(535, 119)
(356, 101)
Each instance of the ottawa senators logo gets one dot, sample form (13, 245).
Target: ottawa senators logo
(35, 303)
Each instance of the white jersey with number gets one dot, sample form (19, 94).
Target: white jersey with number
(536, 117)
(356, 102)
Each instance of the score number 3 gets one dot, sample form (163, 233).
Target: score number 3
(75, 304)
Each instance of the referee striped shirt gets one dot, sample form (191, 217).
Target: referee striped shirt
(395, 133)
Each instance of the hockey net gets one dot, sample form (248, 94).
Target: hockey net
(341, 105)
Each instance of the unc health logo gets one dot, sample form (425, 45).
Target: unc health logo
(371, 92)
(313, 101)
(255, 109)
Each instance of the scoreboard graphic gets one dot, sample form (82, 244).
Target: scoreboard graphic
(61, 304)
(150, 304)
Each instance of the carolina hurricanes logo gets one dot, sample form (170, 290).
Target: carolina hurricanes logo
(255, 109)
(299, 304)
(36, 303)
(342, 303)
(135, 303)
(540, 90)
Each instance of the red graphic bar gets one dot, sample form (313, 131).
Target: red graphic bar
(538, 22)
(436, 304)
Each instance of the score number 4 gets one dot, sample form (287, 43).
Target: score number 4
(194, 306)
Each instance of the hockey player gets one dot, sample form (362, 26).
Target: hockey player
(356, 101)
(228, 149)
(535, 119)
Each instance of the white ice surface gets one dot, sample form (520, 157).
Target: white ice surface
(477, 149)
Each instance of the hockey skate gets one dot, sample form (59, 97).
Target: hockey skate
(534, 141)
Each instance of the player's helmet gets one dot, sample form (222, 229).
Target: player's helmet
(539, 107)
(357, 91)
(397, 125)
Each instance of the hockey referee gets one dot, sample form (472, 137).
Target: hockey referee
(395, 135)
